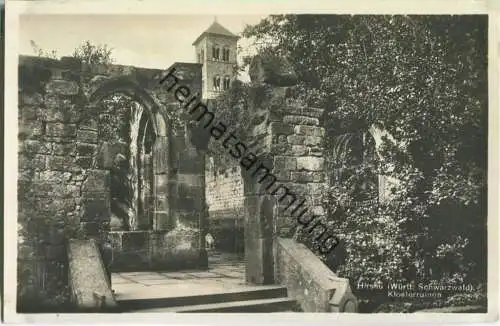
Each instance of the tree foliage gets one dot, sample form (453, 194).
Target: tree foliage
(94, 54)
(423, 79)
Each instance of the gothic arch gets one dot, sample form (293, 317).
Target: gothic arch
(149, 120)
(127, 86)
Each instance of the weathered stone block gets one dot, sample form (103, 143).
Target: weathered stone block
(306, 176)
(60, 163)
(296, 140)
(66, 112)
(135, 241)
(34, 99)
(87, 136)
(187, 190)
(84, 162)
(55, 204)
(281, 175)
(28, 112)
(313, 140)
(190, 179)
(54, 176)
(310, 163)
(64, 149)
(95, 209)
(36, 162)
(300, 120)
(60, 130)
(281, 128)
(316, 151)
(299, 150)
(309, 130)
(97, 181)
(297, 109)
(315, 188)
(84, 149)
(285, 163)
(318, 210)
(54, 189)
(62, 87)
(36, 146)
(31, 128)
(296, 189)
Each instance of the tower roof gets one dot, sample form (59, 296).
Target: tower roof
(216, 29)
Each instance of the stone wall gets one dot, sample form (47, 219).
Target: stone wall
(290, 137)
(283, 182)
(65, 165)
(224, 193)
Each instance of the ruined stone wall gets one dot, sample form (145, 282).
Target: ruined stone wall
(291, 140)
(224, 193)
(225, 199)
(61, 191)
(65, 164)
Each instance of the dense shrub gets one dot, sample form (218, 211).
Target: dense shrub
(423, 79)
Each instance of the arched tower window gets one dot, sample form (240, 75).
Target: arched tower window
(225, 54)
(216, 81)
(227, 82)
(215, 53)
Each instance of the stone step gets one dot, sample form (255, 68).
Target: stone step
(135, 303)
(260, 305)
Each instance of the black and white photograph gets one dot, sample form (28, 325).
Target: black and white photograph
(251, 163)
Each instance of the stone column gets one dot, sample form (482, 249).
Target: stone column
(290, 139)
(160, 168)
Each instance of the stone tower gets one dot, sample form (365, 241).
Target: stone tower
(216, 50)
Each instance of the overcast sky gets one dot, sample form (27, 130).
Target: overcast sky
(138, 40)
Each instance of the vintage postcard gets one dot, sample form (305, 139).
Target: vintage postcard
(183, 163)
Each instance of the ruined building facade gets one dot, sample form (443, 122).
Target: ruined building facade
(216, 50)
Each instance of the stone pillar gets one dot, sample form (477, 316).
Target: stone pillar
(290, 138)
(259, 215)
(300, 164)
(160, 182)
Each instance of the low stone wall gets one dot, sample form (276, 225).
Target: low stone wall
(89, 283)
(315, 287)
(156, 250)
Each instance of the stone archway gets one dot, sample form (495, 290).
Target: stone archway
(146, 176)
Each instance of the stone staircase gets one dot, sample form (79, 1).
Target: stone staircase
(267, 298)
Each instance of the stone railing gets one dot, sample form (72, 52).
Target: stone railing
(310, 282)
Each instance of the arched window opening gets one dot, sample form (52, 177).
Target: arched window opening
(216, 82)
(227, 82)
(129, 135)
(354, 155)
(215, 53)
(225, 54)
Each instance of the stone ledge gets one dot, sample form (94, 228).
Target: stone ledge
(309, 281)
(145, 250)
(88, 279)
